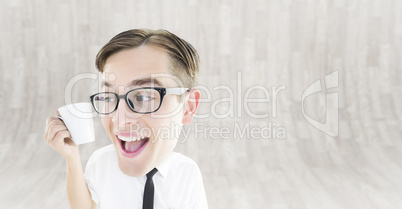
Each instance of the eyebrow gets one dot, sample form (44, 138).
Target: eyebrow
(138, 82)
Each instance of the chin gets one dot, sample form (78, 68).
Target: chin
(135, 166)
(146, 161)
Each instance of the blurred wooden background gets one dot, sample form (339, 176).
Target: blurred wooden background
(45, 43)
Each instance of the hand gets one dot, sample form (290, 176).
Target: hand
(59, 138)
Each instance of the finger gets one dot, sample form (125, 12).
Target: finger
(50, 135)
(54, 130)
(52, 121)
(61, 135)
(69, 141)
(58, 113)
(48, 120)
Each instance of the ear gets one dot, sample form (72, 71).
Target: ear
(191, 105)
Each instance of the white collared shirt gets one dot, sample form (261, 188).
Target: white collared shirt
(178, 183)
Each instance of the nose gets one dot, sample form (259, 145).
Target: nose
(123, 116)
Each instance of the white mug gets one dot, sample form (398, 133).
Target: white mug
(79, 121)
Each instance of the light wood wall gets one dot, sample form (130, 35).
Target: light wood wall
(45, 43)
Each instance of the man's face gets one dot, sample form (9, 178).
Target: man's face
(127, 70)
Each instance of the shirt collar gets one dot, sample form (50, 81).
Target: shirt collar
(163, 167)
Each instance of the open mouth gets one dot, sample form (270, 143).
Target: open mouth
(132, 146)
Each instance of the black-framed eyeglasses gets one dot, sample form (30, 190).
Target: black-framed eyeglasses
(141, 100)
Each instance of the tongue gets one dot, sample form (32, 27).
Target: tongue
(133, 146)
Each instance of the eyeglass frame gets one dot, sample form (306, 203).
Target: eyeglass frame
(162, 92)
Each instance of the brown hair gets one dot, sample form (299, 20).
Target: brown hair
(184, 58)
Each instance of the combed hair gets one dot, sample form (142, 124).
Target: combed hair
(184, 58)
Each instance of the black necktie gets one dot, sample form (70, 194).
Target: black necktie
(148, 202)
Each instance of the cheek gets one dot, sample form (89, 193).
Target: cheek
(166, 131)
(165, 145)
(171, 108)
(168, 145)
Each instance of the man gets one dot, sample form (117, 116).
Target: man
(147, 80)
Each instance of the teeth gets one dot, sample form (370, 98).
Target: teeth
(129, 139)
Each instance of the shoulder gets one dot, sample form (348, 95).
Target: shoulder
(179, 159)
(183, 164)
(102, 155)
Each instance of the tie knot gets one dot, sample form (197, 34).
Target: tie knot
(152, 173)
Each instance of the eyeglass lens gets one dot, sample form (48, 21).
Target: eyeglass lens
(140, 100)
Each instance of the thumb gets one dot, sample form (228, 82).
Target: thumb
(58, 113)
